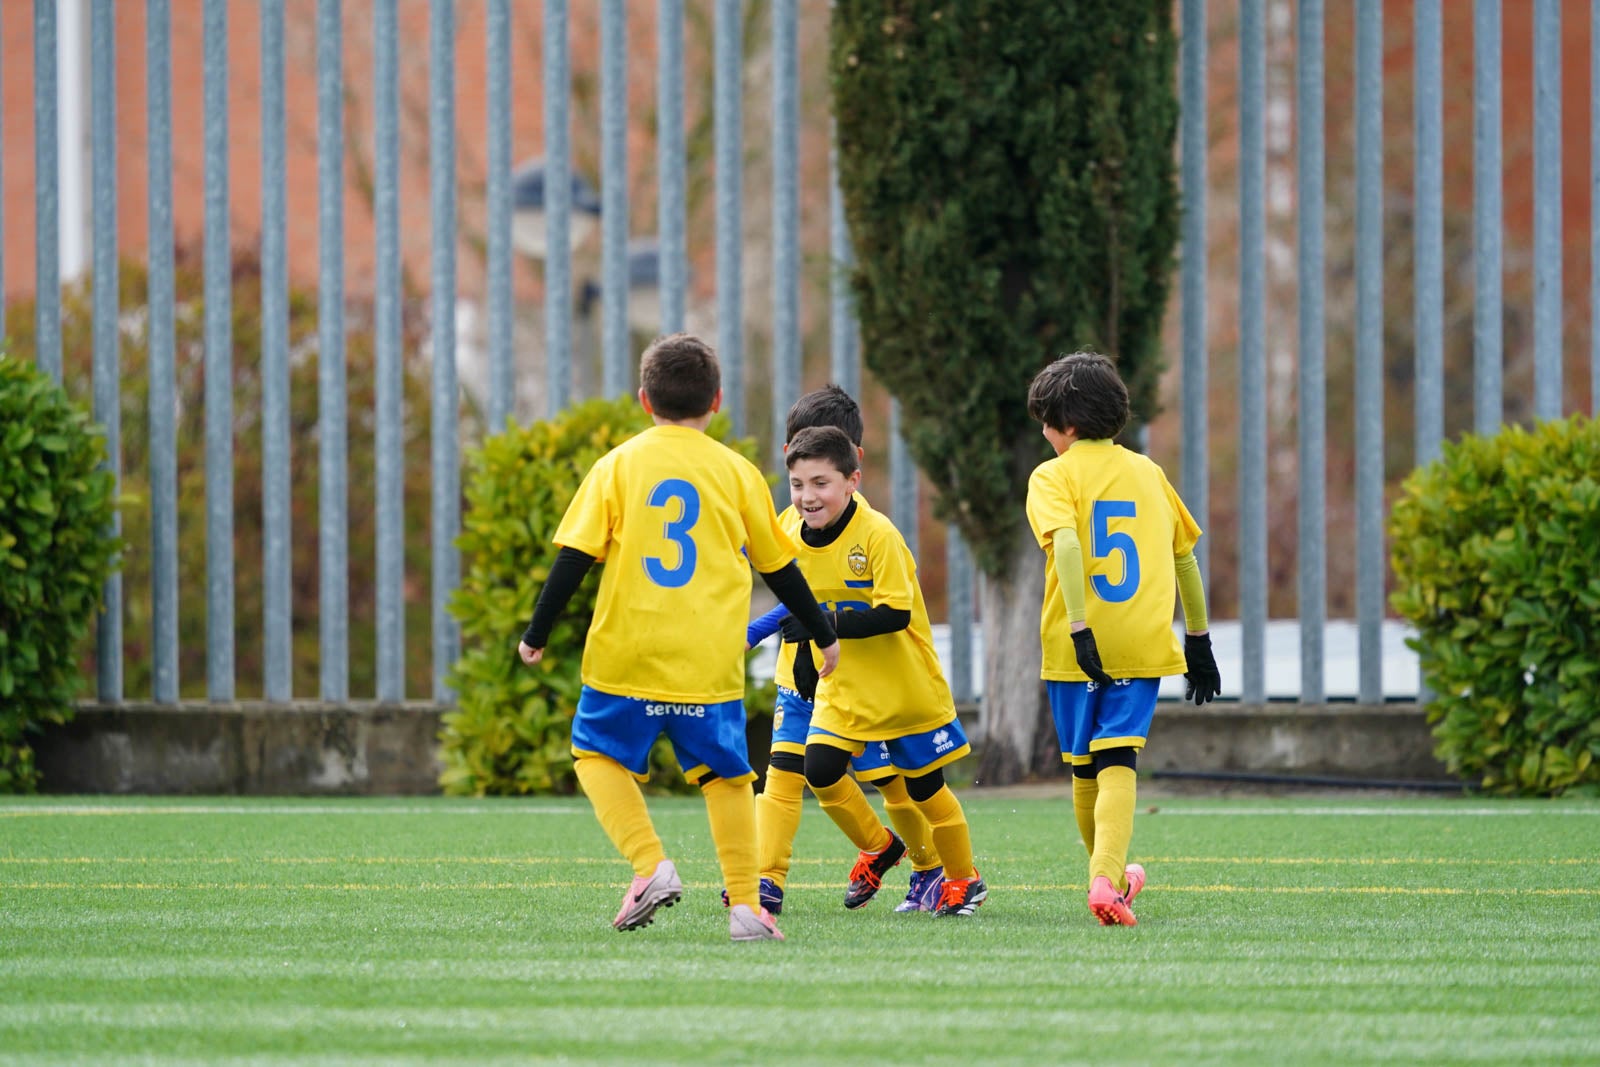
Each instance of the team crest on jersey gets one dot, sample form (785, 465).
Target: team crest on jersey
(857, 560)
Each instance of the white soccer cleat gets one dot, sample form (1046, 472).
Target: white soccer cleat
(747, 925)
(662, 889)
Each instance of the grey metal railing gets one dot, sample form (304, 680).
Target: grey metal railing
(728, 103)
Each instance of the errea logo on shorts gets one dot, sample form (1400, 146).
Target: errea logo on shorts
(692, 711)
(942, 742)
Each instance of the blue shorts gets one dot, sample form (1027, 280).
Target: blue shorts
(791, 723)
(708, 739)
(913, 755)
(1092, 717)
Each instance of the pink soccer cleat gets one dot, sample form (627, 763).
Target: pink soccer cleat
(1134, 873)
(1108, 905)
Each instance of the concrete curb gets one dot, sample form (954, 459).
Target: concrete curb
(313, 749)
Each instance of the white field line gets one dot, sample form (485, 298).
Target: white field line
(576, 807)
(1386, 813)
(520, 886)
(23, 811)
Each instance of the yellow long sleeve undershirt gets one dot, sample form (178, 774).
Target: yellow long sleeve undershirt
(1192, 591)
(1069, 572)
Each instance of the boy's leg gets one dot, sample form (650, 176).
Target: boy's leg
(909, 822)
(619, 805)
(842, 798)
(947, 822)
(778, 810)
(1113, 815)
(1072, 708)
(732, 812)
(779, 805)
(1122, 716)
(1085, 794)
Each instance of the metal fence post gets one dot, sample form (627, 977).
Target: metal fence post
(107, 342)
(333, 476)
(1312, 521)
(218, 363)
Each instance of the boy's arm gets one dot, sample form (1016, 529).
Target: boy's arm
(1202, 679)
(1192, 592)
(764, 627)
(566, 574)
(789, 586)
(1069, 573)
(852, 625)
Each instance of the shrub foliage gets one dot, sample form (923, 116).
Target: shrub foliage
(56, 505)
(1497, 563)
(510, 733)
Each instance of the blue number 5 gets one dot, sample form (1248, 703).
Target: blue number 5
(1105, 542)
(676, 531)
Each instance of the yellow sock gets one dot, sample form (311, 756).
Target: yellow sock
(619, 805)
(1084, 793)
(1113, 825)
(732, 811)
(909, 823)
(778, 808)
(950, 834)
(847, 806)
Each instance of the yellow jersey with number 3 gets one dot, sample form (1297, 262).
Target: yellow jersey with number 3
(887, 686)
(673, 513)
(1131, 525)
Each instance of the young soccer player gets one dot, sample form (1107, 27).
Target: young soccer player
(1116, 540)
(779, 804)
(893, 695)
(673, 514)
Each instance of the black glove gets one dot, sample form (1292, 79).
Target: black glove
(1089, 656)
(1202, 680)
(805, 672)
(794, 631)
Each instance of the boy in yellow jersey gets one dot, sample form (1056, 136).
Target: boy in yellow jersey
(778, 806)
(893, 695)
(1117, 540)
(674, 515)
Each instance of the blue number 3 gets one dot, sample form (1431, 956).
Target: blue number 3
(1106, 542)
(676, 531)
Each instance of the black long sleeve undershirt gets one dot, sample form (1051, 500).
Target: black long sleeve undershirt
(790, 587)
(568, 571)
(566, 574)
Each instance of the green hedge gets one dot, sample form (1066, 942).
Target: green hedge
(511, 731)
(56, 505)
(1497, 563)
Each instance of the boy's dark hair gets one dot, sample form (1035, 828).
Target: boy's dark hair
(680, 376)
(828, 406)
(826, 443)
(1082, 391)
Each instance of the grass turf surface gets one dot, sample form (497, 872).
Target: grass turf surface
(408, 931)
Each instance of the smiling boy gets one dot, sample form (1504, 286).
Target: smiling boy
(896, 696)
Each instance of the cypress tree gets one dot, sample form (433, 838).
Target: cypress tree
(1008, 177)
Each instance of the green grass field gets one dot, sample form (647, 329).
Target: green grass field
(406, 931)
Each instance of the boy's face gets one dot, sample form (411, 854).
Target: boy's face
(819, 492)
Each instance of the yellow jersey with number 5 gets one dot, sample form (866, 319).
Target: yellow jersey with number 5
(1131, 525)
(678, 519)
